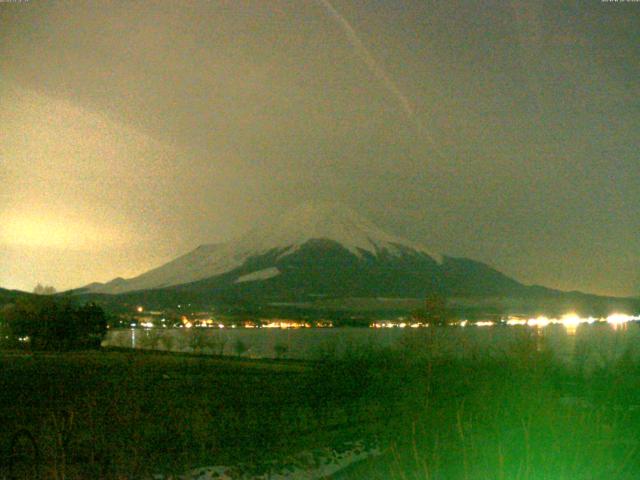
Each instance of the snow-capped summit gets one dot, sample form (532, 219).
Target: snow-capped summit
(327, 221)
(287, 234)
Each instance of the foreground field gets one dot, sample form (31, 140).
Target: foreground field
(135, 414)
(130, 415)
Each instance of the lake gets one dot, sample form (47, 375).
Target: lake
(595, 344)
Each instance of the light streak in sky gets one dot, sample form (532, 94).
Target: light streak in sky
(374, 66)
(368, 58)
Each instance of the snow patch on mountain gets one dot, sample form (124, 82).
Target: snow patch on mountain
(263, 274)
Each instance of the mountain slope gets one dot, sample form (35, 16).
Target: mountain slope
(286, 235)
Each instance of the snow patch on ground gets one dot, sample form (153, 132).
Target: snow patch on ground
(306, 465)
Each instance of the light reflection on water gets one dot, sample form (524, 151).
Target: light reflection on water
(595, 344)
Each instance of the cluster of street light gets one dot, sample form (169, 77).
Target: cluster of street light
(570, 321)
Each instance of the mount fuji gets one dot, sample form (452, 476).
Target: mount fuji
(315, 252)
(317, 249)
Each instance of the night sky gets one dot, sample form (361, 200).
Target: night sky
(508, 132)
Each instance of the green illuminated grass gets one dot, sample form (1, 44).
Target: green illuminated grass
(519, 415)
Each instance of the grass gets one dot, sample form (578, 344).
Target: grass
(116, 414)
(112, 414)
(520, 416)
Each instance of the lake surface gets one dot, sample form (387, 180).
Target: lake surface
(596, 344)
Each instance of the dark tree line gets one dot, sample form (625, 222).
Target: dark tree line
(47, 323)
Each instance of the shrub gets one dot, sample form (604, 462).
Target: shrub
(45, 323)
(280, 350)
(240, 347)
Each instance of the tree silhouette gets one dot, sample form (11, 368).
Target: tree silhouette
(44, 290)
(240, 347)
(45, 323)
(434, 312)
